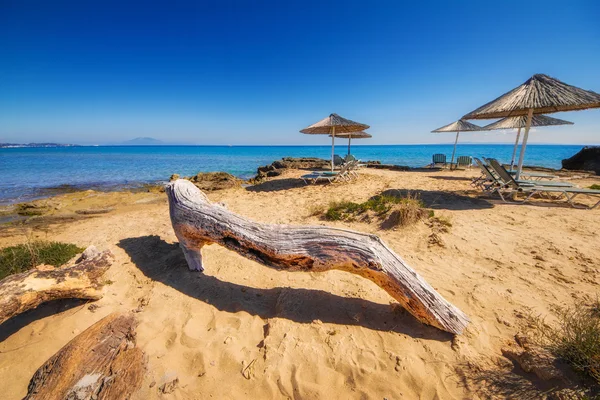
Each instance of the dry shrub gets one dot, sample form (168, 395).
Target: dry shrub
(394, 211)
(408, 211)
(574, 338)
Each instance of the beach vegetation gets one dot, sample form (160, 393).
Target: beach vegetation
(574, 338)
(22, 257)
(595, 186)
(395, 210)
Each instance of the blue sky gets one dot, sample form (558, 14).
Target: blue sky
(248, 72)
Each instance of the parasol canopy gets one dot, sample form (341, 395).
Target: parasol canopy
(334, 125)
(353, 135)
(520, 122)
(458, 126)
(540, 94)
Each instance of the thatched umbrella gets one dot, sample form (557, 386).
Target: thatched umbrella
(334, 125)
(540, 94)
(353, 135)
(458, 127)
(521, 122)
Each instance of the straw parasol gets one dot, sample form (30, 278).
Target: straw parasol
(521, 122)
(540, 94)
(333, 125)
(353, 135)
(458, 127)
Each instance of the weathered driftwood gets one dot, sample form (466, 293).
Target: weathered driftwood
(198, 222)
(100, 363)
(27, 290)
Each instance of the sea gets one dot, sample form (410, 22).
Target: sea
(31, 173)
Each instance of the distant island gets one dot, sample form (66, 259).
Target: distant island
(20, 145)
(146, 141)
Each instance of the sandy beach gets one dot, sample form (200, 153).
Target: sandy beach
(242, 330)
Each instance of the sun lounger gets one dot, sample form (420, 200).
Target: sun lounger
(329, 176)
(439, 160)
(487, 179)
(534, 175)
(464, 161)
(507, 178)
(515, 187)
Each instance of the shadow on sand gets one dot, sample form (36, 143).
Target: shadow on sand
(277, 185)
(16, 323)
(440, 200)
(452, 178)
(164, 262)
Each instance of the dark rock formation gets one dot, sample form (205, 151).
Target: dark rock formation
(276, 167)
(587, 159)
(214, 180)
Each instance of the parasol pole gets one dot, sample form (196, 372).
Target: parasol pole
(454, 150)
(512, 160)
(524, 144)
(332, 145)
(349, 139)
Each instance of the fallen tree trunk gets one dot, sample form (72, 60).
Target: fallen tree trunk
(198, 222)
(100, 363)
(27, 290)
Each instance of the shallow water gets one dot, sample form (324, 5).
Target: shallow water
(27, 173)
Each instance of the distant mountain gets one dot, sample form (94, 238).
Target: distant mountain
(143, 141)
(20, 145)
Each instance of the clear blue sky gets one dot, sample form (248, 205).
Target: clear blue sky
(250, 72)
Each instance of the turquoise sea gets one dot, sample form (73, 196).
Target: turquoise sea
(27, 173)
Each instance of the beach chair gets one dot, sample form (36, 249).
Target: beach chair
(439, 160)
(487, 179)
(507, 178)
(338, 161)
(464, 161)
(534, 176)
(515, 187)
(329, 176)
(350, 157)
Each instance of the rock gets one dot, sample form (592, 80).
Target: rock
(587, 159)
(174, 177)
(271, 174)
(215, 181)
(31, 209)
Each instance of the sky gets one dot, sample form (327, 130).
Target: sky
(255, 73)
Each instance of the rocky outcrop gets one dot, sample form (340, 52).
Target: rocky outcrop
(276, 168)
(211, 181)
(588, 159)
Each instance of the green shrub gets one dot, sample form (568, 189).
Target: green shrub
(575, 338)
(595, 186)
(20, 258)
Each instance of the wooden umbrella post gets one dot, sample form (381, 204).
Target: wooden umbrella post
(454, 150)
(524, 145)
(332, 145)
(349, 139)
(512, 160)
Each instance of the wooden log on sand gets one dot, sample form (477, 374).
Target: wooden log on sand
(100, 363)
(198, 222)
(27, 290)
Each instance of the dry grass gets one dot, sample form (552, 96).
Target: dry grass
(574, 338)
(395, 211)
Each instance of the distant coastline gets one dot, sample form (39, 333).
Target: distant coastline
(34, 145)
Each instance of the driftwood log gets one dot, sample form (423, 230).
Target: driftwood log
(27, 290)
(100, 363)
(198, 222)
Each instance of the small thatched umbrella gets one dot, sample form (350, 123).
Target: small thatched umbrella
(458, 127)
(353, 135)
(521, 122)
(333, 125)
(540, 94)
